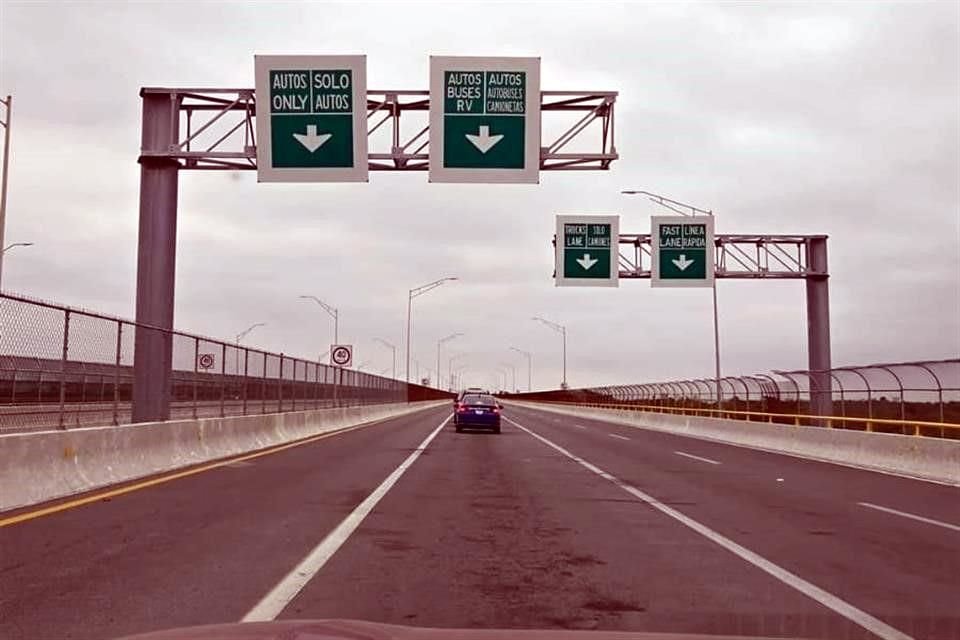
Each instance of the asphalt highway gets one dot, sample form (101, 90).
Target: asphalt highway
(556, 523)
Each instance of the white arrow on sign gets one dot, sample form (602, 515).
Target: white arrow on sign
(682, 262)
(484, 142)
(311, 140)
(586, 261)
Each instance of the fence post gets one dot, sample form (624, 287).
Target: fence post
(116, 375)
(263, 386)
(196, 375)
(280, 391)
(223, 378)
(294, 385)
(246, 368)
(335, 375)
(63, 366)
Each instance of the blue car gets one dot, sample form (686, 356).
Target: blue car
(477, 410)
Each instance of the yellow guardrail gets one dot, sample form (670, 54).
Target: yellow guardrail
(914, 427)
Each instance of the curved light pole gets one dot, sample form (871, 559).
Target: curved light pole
(559, 328)
(450, 367)
(457, 374)
(17, 244)
(440, 342)
(513, 372)
(413, 293)
(11, 246)
(8, 103)
(690, 210)
(333, 314)
(394, 348)
(501, 372)
(240, 336)
(529, 357)
(243, 334)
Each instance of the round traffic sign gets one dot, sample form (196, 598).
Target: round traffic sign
(206, 361)
(341, 356)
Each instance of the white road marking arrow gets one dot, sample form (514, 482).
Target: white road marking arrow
(682, 262)
(586, 261)
(311, 140)
(484, 142)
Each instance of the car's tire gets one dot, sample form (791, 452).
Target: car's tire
(458, 428)
(496, 428)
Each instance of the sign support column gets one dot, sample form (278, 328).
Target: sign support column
(156, 260)
(818, 329)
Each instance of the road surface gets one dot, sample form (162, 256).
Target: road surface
(557, 523)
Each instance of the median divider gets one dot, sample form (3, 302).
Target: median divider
(919, 457)
(41, 466)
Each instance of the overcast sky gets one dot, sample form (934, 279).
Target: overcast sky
(839, 118)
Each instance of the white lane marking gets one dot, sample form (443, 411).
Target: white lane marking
(287, 589)
(779, 452)
(693, 457)
(613, 435)
(912, 516)
(827, 599)
(579, 426)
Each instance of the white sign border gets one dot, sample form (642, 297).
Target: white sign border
(530, 174)
(266, 172)
(614, 280)
(672, 283)
(349, 363)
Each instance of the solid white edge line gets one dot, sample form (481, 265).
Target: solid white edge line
(693, 457)
(287, 589)
(904, 514)
(849, 465)
(613, 435)
(827, 599)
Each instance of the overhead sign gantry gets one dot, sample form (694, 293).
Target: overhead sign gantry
(293, 130)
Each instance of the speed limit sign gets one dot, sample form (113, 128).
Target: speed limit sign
(342, 355)
(205, 361)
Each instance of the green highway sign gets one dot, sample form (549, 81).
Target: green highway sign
(682, 251)
(586, 251)
(484, 119)
(311, 118)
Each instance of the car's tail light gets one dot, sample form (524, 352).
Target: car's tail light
(496, 409)
(461, 408)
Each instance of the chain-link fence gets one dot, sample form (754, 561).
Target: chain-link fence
(62, 367)
(921, 398)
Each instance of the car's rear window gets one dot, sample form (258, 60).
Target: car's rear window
(478, 399)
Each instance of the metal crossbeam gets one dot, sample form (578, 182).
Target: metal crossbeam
(218, 132)
(737, 256)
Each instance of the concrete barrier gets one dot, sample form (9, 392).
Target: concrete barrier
(915, 456)
(40, 466)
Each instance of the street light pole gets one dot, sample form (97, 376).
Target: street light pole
(394, 348)
(240, 336)
(5, 123)
(450, 367)
(559, 328)
(413, 293)
(334, 313)
(529, 357)
(692, 211)
(17, 244)
(440, 342)
(513, 372)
